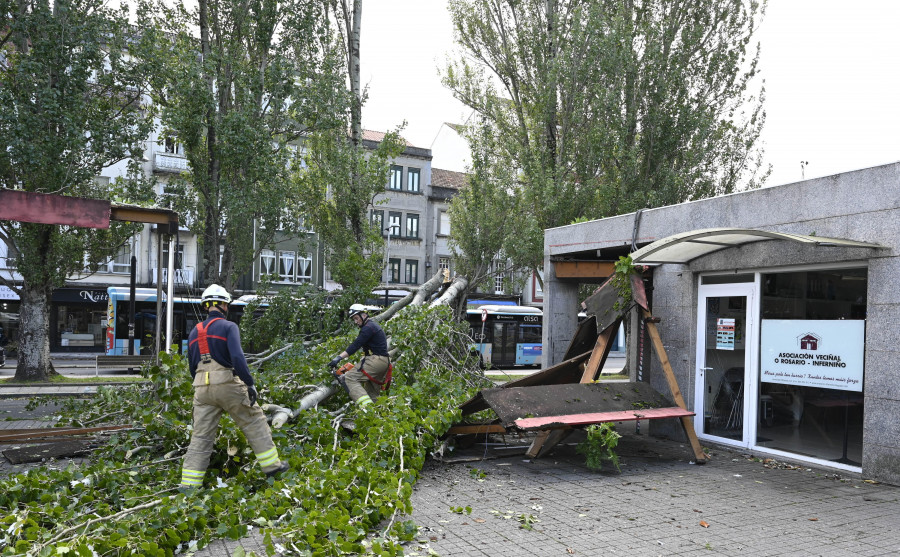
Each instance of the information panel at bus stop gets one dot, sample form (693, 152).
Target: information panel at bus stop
(813, 353)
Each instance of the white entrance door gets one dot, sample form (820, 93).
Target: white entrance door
(726, 363)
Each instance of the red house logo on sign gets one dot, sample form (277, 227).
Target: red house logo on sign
(809, 341)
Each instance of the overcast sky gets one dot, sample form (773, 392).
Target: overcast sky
(831, 67)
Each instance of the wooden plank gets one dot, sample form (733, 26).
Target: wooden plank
(476, 429)
(556, 437)
(686, 422)
(600, 417)
(538, 442)
(583, 269)
(600, 352)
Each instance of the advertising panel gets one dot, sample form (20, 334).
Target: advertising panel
(813, 353)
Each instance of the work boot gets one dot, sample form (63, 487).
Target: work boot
(277, 472)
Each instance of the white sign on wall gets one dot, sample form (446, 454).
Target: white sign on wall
(7, 293)
(813, 353)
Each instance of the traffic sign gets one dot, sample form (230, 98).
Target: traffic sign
(483, 315)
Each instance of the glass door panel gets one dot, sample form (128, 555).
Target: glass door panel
(504, 349)
(724, 349)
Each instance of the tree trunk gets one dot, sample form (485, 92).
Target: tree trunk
(34, 336)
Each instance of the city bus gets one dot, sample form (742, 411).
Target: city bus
(187, 312)
(506, 335)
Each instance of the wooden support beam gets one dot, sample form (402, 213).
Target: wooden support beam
(583, 269)
(600, 352)
(476, 429)
(686, 421)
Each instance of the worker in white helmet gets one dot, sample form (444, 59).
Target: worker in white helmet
(222, 383)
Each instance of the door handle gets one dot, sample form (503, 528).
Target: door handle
(705, 368)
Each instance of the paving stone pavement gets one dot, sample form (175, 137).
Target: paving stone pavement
(659, 504)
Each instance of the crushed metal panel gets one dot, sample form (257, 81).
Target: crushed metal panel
(568, 371)
(584, 338)
(511, 404)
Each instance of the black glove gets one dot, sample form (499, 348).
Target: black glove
(334, 363)
(251, 392)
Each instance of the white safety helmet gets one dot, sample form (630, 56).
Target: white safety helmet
(215, 294)
(356, 309)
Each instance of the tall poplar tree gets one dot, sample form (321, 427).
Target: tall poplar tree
(609, 106)
(248, 81)
(72, 85)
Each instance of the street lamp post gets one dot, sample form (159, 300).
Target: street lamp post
(387, 259)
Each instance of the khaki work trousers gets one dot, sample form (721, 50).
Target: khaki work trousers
(359, 385)
(215, 393)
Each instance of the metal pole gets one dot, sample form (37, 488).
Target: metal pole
(131, 293)
(170, 298)
(159, 297)
(387, 257)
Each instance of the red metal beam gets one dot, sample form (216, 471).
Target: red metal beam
(599, 417)
(46, 208)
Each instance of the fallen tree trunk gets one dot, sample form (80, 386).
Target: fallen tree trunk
(459, 284)
(281, 415)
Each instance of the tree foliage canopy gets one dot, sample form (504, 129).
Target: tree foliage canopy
(240, 98)
(73, 79)
(606, 107)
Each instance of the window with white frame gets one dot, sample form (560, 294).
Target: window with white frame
(304, 268)
(444, 263)
(266, 262)
(286, 265)
(444, 224)
(412, 272)
(4, 254)
(498, 283)
(171, 146)
(396, 178)
(412, 180)
(412, 225)
(121, 262)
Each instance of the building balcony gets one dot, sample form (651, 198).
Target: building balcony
(183, 277)
(167, 162)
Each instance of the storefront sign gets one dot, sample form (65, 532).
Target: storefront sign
(725, 333)
(807, 353)
(7, 293)
(80, 295)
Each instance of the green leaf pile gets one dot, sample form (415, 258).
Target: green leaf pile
(346, 493)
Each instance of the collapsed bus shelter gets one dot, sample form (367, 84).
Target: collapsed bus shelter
(778, 310)
(565, 396)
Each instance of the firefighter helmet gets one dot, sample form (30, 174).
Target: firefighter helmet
(215, 294)
(356, 309)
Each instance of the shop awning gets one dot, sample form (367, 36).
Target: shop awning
(686, 246)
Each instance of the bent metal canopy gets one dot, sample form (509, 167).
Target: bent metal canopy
(687, 246)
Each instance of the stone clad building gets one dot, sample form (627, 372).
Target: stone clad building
(779, 313)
